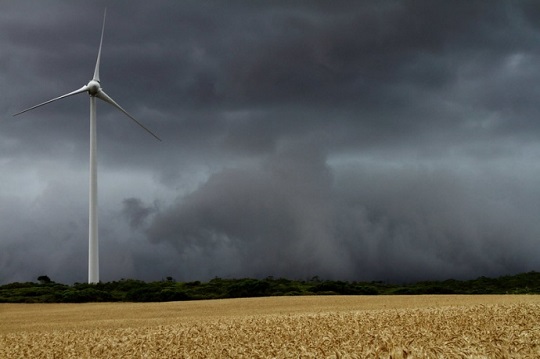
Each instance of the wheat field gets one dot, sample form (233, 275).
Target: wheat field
(441, 326)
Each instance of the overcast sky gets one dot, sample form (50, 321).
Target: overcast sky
(353, 140)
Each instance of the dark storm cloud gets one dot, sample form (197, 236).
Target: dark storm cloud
(421, 222)
(349, 139)
(255, 214)
(136, 212)
(406, 223)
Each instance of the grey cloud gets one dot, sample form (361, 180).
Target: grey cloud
(136, 212)
(357, 140)
(431, 222)
(273, 218)
(296, 216)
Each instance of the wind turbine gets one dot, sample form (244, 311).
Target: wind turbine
(93, 88)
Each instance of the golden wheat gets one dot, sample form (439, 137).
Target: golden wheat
(284, 327)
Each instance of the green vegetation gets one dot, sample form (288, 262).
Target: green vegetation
(129, 290)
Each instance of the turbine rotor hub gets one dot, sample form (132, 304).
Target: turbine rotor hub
(93, 87)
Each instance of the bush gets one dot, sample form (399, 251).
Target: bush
(85, 295)
(248, 288)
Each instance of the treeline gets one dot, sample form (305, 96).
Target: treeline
(129, 290)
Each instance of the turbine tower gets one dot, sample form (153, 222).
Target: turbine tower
(93, 88)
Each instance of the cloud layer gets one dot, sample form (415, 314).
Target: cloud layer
(388, 140)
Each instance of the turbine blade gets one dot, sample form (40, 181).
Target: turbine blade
(103, 96)
(81, 90)
(96, 70)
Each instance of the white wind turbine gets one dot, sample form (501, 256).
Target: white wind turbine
(94, 90)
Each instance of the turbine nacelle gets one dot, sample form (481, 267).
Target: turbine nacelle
(93, 87)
